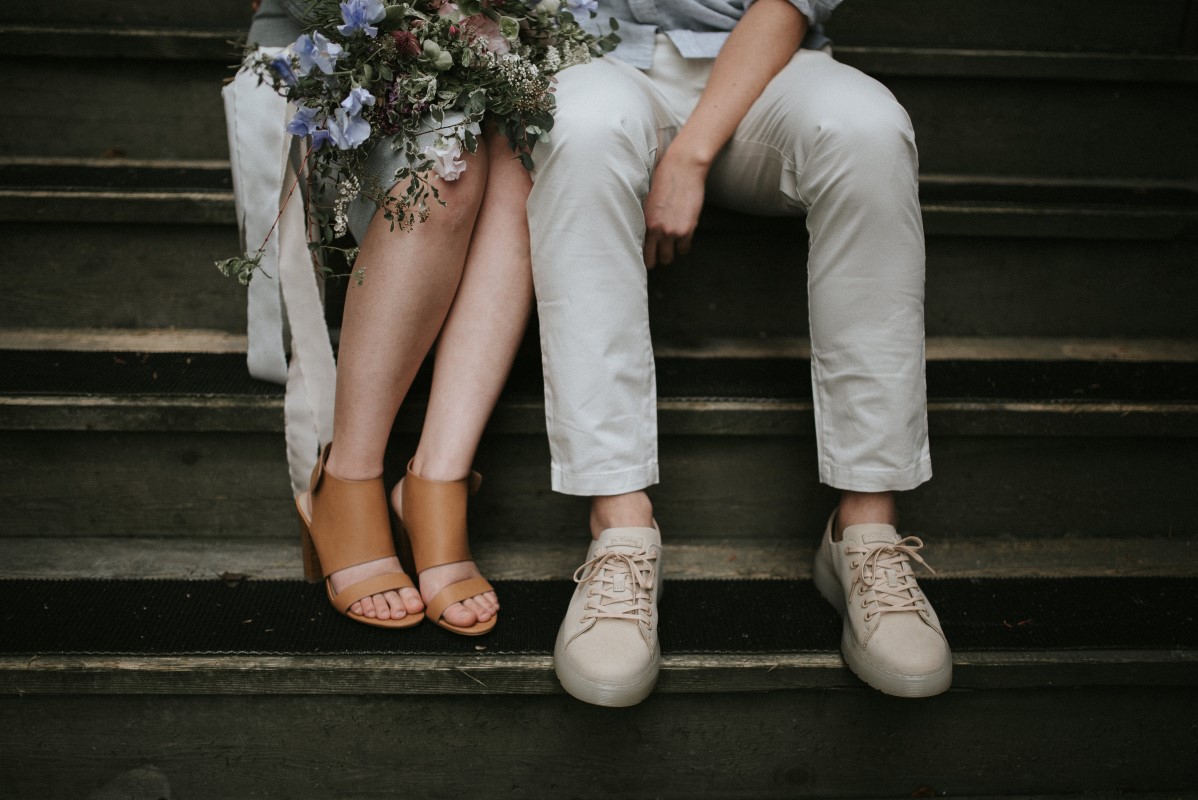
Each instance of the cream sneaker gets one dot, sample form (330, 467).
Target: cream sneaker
(892, 639)
(606, 651)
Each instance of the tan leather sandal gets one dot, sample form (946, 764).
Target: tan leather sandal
(350, 524)
(434, 521)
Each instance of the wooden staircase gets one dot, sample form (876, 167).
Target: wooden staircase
(1060, 194)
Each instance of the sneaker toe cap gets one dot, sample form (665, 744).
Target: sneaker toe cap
(611, 654)
(909, 650)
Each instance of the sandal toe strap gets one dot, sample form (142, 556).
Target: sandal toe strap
(386, 582)
(456, 593)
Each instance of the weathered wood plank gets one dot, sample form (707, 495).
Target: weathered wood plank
(969, 126)
(121, 276)
(39, 41)
(1076, 25)
(765, 745)
(743, 557)
(975, 287)
(483, 674)
(991, 63)
(171, 112)
(167, 340)
(939, 348)
(211, 14)
(136, 275)
(714, 487)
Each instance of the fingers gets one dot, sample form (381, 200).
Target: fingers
(661, 248)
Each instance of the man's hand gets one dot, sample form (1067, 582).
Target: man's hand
(760, 45)
(673, 205)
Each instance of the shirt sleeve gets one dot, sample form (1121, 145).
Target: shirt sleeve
(816, 11)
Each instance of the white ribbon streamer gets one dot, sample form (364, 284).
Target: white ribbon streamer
(285, 291)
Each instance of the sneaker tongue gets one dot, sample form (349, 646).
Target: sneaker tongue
(628, 540)
(871, 533)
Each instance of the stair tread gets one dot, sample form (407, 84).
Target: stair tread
(746, 557)
(133, 177)
(223, 45)
(776, 378)
(1112, 625)
(199, 192)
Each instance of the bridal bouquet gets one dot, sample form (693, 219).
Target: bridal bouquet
(416, 76)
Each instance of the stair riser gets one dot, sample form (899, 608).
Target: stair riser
(968, 126)
(1077, 25)
(744, 284)
(121, 276)
(137, 276)
(715, 487)
(763, 745)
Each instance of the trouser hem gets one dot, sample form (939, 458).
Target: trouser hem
(606, 483)
(876, 481)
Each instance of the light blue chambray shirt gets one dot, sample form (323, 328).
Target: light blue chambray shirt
(698, 28)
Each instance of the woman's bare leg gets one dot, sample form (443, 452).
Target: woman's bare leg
(475, 353)
(391, 321)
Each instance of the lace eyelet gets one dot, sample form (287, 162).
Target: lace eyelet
(860, 589)
(854, 564)
(865, 604)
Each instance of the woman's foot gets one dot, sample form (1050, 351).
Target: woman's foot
(472, 610)
(388, 605)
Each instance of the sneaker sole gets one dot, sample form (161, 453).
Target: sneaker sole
(611, 695)
(892, 683)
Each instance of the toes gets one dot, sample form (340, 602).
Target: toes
(368, 609)
(411, 601)
(356, 608)
(491, 600)
(395, 605)
(480, 611)
(458, 614)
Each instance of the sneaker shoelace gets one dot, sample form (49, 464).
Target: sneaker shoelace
(620, 585)
(886, 570)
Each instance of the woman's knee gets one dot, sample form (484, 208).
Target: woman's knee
(457, 202)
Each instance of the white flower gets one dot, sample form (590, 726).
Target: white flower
(446, 157)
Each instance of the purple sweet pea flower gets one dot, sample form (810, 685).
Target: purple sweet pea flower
(282, 67)
(360, 15)
(348, 130)
(307, 122)
(357, 98)
(316, 51)
(576, 6)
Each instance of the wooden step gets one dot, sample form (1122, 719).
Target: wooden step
(974, 111)
(1005, 258)
(720, 724)
(1114, 440)
(1083, 26)
(253, 726)
(937, 60)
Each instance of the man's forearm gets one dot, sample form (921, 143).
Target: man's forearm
(760, 45)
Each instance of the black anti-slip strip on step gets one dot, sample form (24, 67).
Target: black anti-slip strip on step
(206, 374)
(698, 616)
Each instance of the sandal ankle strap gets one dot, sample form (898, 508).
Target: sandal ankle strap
(351, 521)
(434, 516)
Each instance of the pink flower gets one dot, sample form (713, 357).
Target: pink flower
(485, 29)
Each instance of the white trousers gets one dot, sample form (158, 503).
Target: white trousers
(823, 141)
